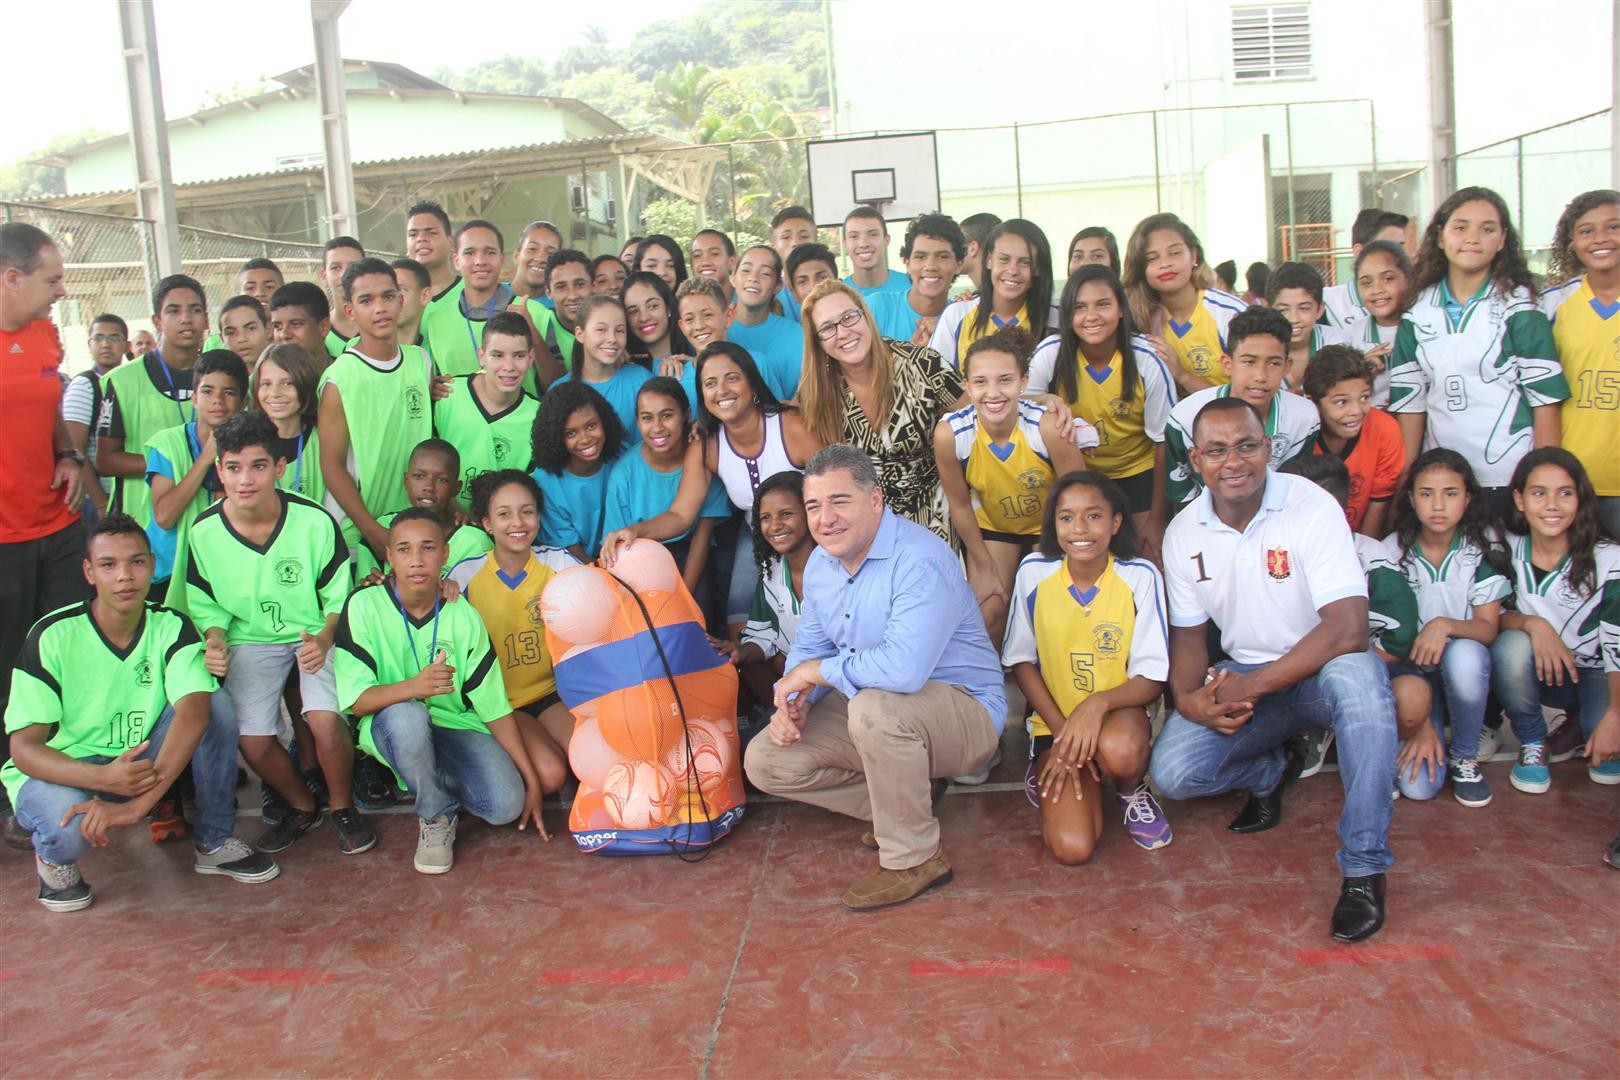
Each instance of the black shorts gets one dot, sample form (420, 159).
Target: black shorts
(1023, 540)
(1138, 491)
(535, 708)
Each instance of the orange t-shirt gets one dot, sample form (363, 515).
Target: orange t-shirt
(30, 396)
(1375, 461)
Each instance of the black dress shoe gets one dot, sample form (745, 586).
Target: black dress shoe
(1360, 910)
(1264, 812)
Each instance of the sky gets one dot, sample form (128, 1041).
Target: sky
(205, 46)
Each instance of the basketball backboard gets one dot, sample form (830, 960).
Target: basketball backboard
(896, 174)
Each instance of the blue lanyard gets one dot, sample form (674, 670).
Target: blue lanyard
(298, 462)
(405, 617)
(489, 313)
(168, 377)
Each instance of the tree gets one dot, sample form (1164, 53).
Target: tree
(671, 216)
(682, 95)
(663, 45)
(26, 179)
(508, 75)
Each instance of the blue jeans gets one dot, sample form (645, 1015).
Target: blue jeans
(1351, 695)
(448, 768)
(1460, 684)
(41, 804)
(1522, 695)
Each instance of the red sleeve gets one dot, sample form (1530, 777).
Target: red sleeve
(1390, 458)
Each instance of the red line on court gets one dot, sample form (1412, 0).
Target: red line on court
(264, 977)
(6, 976)
(629, 976)
(1041, 965)
(1376, 954)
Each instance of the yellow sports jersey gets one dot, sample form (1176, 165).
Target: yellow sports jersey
(970, 332)
(1200, 342)
(1086, 642)
(510, 608)
(1009, 481)
(1128, 431)
(1587, 333)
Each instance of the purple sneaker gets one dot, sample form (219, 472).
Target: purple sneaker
(1565, 740)
(1144, 819)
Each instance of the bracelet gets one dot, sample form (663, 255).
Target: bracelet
(70, 455)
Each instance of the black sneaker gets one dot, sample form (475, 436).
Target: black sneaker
(374, 787)
(235, 860)
(315, 780)
(280, 837)
(272, 807)
(62, 888)
(354, 835)
(15, 836)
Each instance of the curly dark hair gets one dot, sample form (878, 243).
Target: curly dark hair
(1586, 532)
(1478, 525)
(1332, 365)
(1562, 265)
(789, 481)
(487, 484)
(1124, 543)
(1508, 270)
(561, 402)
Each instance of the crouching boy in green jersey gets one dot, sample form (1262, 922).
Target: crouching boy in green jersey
(422, 676)
(109, 701)
(268, 576)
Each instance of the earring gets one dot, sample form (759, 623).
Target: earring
(756, 399)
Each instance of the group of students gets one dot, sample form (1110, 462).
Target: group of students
(348, 502)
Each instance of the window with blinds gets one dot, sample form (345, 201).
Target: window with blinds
(1271, 42)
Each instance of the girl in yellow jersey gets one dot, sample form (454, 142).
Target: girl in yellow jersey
(1174, 299)
(1585, 314)
(1088, 647)
(504, 587)
(1112, 379)
(997, 457)
(1015, 290)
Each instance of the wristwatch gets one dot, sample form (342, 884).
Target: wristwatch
(70, 454)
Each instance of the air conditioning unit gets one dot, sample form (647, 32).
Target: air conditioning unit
(576, 198)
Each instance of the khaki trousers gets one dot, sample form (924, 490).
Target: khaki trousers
(872, 757)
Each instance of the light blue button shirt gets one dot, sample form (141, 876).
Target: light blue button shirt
(904, 617)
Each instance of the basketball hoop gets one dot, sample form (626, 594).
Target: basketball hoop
(896, 175)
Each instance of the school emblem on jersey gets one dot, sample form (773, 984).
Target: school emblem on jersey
(1201, 359)
(289, 572)
(1118, 409)
(532, 610)
(1277, 563)
(1108, 638)
(501, 448)
(413, 403)
(143, 673)
(1031, 480)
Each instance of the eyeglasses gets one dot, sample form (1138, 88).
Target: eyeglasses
(829, 330)
(107, 339)
(1247, 449)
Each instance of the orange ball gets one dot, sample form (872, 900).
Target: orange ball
(590, 811)
(639, 795)
(712, 757)
(589, 755)
(641, 722)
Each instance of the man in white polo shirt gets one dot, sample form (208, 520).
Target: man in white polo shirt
(1269, 559)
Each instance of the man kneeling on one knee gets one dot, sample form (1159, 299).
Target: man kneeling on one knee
(891, 683)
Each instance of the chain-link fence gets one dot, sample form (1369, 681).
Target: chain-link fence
(111, 266)
(1258, 183)
(1539, 171)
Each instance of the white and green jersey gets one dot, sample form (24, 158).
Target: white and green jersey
(486, 441)
(388, 411)
(1476, 375)
(1463, 581)
(773, 621)
(265, 594)
(102, 700)
(378, 644)
(1392, 606)
(1588, 621)
(1342, 308)
(1291, 422)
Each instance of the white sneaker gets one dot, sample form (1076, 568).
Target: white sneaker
(1490, 743)
(974, 779)
(436, 845)
(62, 888)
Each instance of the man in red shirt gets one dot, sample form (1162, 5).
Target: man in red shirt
(41, 537)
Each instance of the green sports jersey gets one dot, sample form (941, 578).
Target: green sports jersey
(136, 408)
(212, 342)
(171, 453)
(302, 453)
(377, 644)
(487, 441)
(101, 700)
(466, 542)
(1393, 621)
(388, 411)
(267, 593)
(453, 338)
(336, 343)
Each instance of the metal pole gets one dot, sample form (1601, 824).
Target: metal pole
(1158, 190)
(1614, 102)
(1018, 169)
(342, 216)
(731, 177)
(832, 66)
(1372, 127)
(1518, 177)
(1442, 102)
(1288, 140)
(149, 137)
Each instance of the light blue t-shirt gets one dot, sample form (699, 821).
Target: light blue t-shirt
(620, 392)
(790, 306)
(897, 281)
(894, 314)
(777, 346)
(636, 491)
(572, 508)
